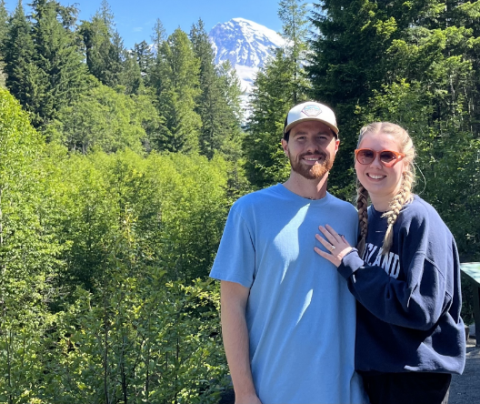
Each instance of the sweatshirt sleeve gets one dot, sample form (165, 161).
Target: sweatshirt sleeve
(415, 300)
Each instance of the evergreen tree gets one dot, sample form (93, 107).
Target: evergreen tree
(103, 48)
(348, 60)
(144, 57)
(96, 37)
(158, 37)
(231, 90)
(104, 119)
(348, 63)
(57, 57)
(3, 22)
(279, 86)
(3, 37)
(116, 57)
(293, 14)
(177, 86)
(270, 100)
(219, 123)
(106, 14)
(131, 76)
(24, 79)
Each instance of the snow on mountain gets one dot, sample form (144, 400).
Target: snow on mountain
(246, 44)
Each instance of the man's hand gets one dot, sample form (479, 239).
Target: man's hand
(333, 242)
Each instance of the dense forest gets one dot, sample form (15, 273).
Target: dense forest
(118, 167)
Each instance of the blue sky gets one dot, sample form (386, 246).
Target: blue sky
(135, 18)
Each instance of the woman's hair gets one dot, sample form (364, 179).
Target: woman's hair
(404, 194)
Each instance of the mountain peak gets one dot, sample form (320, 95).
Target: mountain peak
(246, 44)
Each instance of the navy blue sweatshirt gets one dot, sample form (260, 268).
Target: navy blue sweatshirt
(408, 316)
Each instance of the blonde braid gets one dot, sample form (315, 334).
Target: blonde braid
(362, 206)
(403, 197)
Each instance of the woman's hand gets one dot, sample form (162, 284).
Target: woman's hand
(333, 242)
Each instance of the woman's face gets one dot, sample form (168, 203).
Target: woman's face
(381, 182)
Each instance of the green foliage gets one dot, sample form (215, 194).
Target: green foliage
(293, 14)
(104, 249)
(28, 263)
(347, 64)
(126, 240)
(280, 85)
(144, 57)
(47, 61)
(161, 192)
(57, 58)
(139, 339)
(3, 36)
(271, 99)
(103, 118)
(177, 88)
(24, 78)
(426, 82)
(216, 103)
(3, 21)
(104, 58)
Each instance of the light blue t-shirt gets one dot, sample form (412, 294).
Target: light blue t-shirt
(300, 313)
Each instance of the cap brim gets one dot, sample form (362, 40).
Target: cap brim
(332, 127)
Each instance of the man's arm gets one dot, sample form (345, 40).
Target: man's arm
(235, 339)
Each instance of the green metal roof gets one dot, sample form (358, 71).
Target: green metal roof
(472, 269)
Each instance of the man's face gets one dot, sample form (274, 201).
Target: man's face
(311, 149)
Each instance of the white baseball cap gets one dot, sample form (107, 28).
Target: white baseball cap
(311, 111)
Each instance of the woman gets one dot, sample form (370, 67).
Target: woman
(405, 276)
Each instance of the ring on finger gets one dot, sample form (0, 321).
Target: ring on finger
(332, 247)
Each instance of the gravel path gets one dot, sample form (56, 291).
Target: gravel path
(465, 389)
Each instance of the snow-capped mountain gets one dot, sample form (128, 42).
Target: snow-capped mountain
(246, 44)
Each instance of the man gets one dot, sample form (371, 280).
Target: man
(288, 319)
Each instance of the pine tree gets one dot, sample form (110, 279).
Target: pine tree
(293, 14)
(271, 99)
(103, 47)
(158, 37)
(131, 77)
(24, 79)
(159, 34)
(348, 61)
(279, 86)
(57, 57)
(3, 22)
(3, 36)
(348, 64)
(178, 89)
(144, 57)
(116, 58)
(96, 38)
(219, 123)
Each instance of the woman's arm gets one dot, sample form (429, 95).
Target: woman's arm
(416, 302)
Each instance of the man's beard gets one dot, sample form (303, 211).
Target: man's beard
(315, 172)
